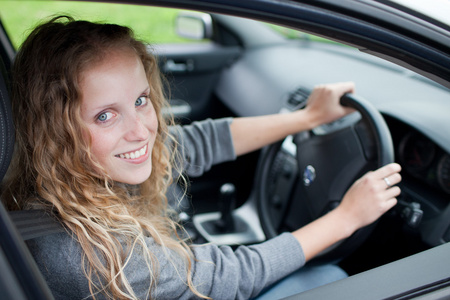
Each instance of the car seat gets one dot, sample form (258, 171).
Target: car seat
(20, 278)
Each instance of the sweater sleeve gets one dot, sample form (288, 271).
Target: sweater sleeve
(204, 144)
(221, 273)
(217, 272)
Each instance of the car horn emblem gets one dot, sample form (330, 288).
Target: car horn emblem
(309, 175)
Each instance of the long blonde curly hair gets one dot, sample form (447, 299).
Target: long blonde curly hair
(53, 167)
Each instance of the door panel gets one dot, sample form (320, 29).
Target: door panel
(192, 71)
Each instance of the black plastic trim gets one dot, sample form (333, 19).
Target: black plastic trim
(416, 275)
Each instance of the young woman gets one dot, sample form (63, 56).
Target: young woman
(95, 151)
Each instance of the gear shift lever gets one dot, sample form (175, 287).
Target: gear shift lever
(229, 226)
(227, 203)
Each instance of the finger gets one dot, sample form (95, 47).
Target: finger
(348, 87)
(387, 170)
(338, 87)
(392, 192)
(390, 203)
(343, 87)
(392, 180)
(395, 178)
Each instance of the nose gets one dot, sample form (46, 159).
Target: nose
(136, 129)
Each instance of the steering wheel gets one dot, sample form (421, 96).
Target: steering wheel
(306, 175)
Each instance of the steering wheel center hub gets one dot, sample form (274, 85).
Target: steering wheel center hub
(309, 174)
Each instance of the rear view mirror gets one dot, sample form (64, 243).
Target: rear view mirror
(196, 26)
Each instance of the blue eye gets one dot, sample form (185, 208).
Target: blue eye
(142, 100)
(103, 117)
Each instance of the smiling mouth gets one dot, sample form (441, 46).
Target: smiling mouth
(133, 154)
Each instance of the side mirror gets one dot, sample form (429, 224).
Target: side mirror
(196, 26)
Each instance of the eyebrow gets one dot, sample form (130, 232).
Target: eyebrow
(146, 90)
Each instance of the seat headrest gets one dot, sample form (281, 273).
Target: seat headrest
(6, 124)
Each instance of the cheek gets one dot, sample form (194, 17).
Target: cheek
(152, 121)
(100, 147)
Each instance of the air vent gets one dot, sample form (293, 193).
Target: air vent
(297, 99)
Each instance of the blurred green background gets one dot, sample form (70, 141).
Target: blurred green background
(151, 24)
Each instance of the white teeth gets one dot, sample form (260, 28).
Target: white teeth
(134, 155)
(142, 151)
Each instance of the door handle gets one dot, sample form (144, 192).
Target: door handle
(172, 66)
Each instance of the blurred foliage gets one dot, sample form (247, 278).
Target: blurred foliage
(151, 24)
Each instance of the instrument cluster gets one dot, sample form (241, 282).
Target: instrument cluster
(426, 161)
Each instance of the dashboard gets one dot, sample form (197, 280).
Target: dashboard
(415, 109)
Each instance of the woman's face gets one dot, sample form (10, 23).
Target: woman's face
(118, 111)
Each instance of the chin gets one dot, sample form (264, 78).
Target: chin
(134, 178)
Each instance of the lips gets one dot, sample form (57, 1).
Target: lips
(133, 154)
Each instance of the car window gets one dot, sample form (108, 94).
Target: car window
(151, 24)
(299, 35)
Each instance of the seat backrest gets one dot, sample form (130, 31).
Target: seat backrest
(30, 224)
(20, 277)
(6, 124)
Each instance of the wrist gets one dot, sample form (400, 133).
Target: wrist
(312, 119)
(344, 221)
(303, 120)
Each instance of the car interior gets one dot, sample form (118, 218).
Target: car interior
(240, 67)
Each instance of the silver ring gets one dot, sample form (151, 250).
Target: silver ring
(388, 183)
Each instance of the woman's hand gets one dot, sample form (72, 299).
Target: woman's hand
(370, 196)
(366, 200)
(323, 106)
(324, 103)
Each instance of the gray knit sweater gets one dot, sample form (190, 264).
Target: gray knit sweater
(218, 272)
